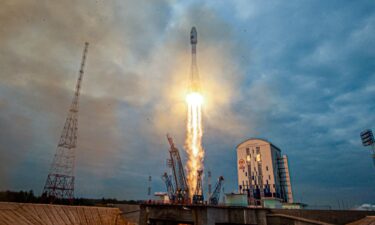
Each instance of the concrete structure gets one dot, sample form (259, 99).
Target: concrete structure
(166, 214)
(263, 173)
(369, 220)
(129, 213)
(39, 214)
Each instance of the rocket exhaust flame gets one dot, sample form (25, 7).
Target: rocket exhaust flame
(194, 138)
(194, 129)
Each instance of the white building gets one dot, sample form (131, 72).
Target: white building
(263, 173)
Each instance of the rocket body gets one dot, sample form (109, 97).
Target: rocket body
(194, 127)
(194, 77)
(193, 36)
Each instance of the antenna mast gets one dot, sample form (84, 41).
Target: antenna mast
(60, 180)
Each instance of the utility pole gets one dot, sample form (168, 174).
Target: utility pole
(209, 183)
(149, 186)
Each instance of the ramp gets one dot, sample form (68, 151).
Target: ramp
(40, 214)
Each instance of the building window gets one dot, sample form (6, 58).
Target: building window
(258, 150)
(269, 177)
(246, 174)
(267, 168)
(247, 151)
(267, 182)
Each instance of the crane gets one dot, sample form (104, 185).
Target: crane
(181, 187)
(215, 196)
(170, 189)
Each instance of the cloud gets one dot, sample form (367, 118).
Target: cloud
(133, 88)
(297, 74)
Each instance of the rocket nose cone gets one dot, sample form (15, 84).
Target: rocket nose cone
(193, 36)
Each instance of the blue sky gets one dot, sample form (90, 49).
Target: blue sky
(298, 73)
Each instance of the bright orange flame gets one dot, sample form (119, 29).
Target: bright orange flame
(193, 143)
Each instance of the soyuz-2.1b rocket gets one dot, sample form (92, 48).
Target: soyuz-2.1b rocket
(194, 77)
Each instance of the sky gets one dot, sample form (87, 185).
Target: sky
(300, 74)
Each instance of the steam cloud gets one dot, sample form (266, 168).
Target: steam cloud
(133, 88)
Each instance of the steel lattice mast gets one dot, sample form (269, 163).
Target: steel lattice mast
(198, 197)
(60, 180)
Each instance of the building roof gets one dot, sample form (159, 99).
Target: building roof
(260, 139)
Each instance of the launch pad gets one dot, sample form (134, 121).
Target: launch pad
(161, 214)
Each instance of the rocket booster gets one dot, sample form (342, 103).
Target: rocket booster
(194, 78)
